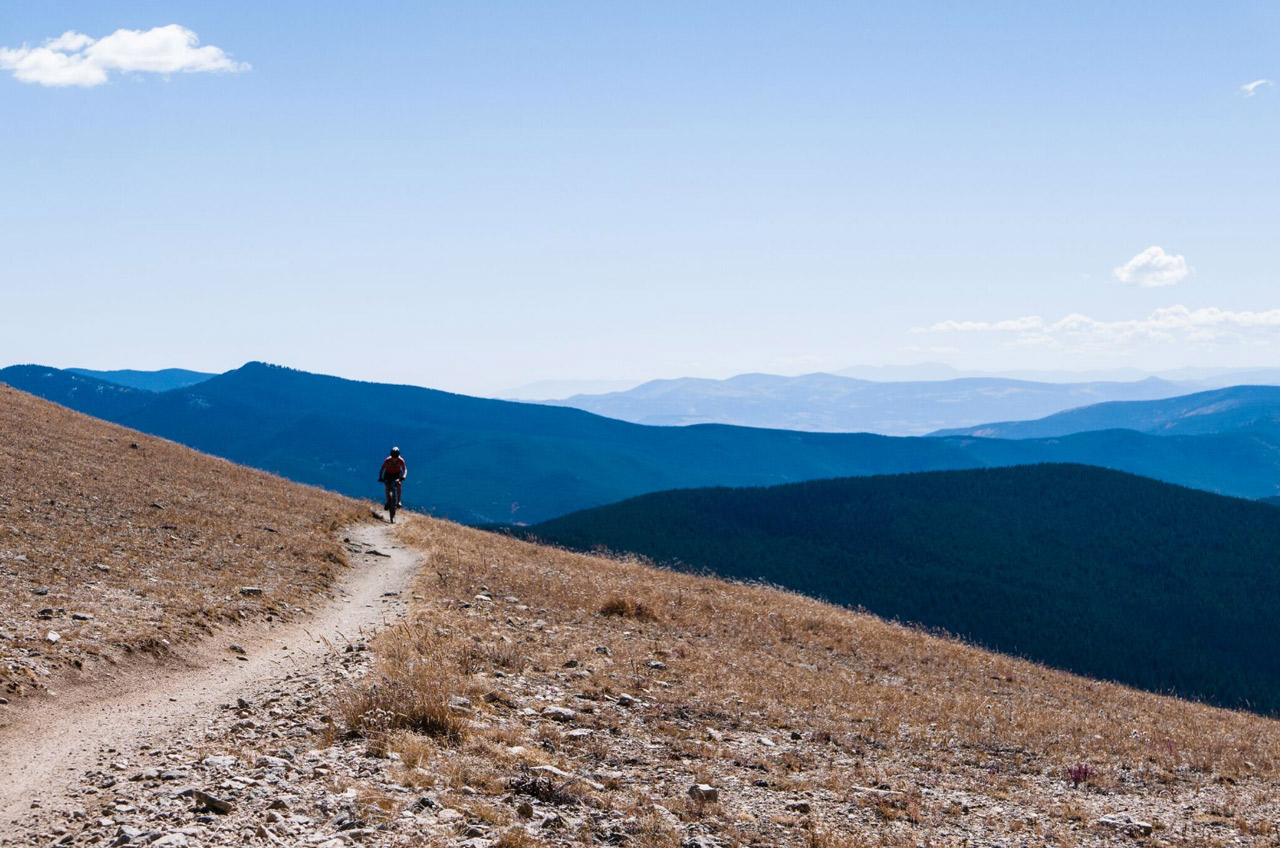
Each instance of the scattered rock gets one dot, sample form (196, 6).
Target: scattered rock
(251, 591)
(207, 801)
(561, 714)
(704, 793)
(221, 761)
(82, 616)
(625, 700)
(1125, 823)
(801, 807)
(52, 637)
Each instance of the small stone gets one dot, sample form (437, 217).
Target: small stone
(251, 591)
(41, 591)
(561, 714)
(82, 616)
(236, 649)
(207, 801)
(603, 650)
(767, 742)
(704, 793)
(52, 637)
(801, 807)
(1127, 824)
(658, 665)
(173, 840)
(221, 761)
(271, 763)
(625, 700)
(579, 733)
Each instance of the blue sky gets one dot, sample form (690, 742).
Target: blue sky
(477, 195)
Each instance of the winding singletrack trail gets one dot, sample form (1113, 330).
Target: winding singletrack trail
(54, 740)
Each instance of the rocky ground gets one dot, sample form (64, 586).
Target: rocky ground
(544, 719)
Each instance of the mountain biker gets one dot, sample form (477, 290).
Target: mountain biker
(393, 473)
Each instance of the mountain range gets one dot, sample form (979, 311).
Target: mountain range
(1095, 571)
(831, 403)
(1239, 408)
(478, 460)
(153, 381)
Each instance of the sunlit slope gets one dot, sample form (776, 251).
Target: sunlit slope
(117, 541)
(817, 725)
(1103, 573)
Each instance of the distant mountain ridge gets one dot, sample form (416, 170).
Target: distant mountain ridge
(830, 403)
(1218, 411)
(152, 381)
(1099, 572)
(478, 460)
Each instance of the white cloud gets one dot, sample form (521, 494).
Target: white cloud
(1251, 88)
(74, 58)
(1173, 324)
(1151, 268)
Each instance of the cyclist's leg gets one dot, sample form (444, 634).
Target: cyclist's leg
(399, 491)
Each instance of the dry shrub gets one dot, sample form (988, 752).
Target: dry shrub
(628, 608)
(417, 673)
(516, 837)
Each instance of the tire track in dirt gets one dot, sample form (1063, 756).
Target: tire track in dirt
(53, 740)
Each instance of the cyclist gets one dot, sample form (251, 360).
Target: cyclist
(393, 473)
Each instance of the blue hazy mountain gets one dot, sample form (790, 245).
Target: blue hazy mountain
(837, 404)
(481, 460)
(1254, 408)
(1106, 574)
(89, 395)
(152, 381)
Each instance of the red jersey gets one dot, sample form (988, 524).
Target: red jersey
(394, 468)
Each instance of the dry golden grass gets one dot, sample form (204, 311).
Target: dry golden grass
(950, 739)
(151, 539)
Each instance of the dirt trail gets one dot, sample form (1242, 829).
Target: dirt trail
(53, 741)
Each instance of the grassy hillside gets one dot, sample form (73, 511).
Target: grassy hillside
(1103, 573)
(1251, 408)
(152, 540)
(818, 726)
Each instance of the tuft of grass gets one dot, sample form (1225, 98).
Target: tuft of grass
(628, 608)
(417, 674)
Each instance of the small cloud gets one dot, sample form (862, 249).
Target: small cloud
(1152, 268)
(76, 59)
(1170, 325)
(1251, 88)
